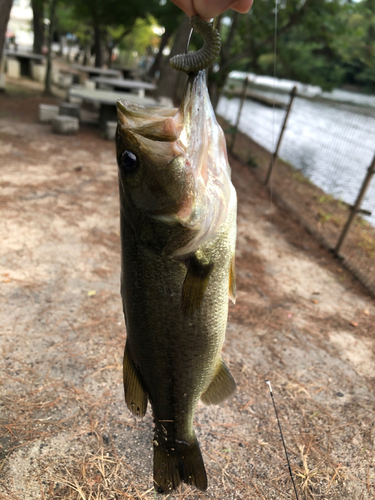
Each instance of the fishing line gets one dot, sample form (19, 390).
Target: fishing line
(269, 242)
(188, 40)
(273, 135)
(274, 91)
(282, 438)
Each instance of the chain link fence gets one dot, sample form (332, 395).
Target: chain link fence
(326, 162)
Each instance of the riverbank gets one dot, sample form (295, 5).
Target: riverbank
(254, 96)
(280, 87)
(320, 213)
(331, 144)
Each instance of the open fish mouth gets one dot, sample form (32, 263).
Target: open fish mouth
(203, 141)
(201, 175)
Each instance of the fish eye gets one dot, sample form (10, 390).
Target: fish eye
(128, 162)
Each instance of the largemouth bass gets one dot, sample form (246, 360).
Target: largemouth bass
(178, 234)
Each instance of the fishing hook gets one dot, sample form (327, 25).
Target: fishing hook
(188, 40)
(192, 62)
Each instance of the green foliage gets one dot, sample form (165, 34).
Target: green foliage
(266, 63)
(115, 19)
(69, 23)
(312, 63)
(167, 14)
(306, 49)
(320, 42)
(141, 37)
(357, 46)
(100, 23)
(111, 12)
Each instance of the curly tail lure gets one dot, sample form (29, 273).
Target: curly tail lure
(193, 62)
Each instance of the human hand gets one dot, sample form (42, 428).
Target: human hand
(207, 9)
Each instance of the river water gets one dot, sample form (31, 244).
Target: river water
(331, 143)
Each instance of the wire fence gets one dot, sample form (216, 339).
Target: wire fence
(326, 176)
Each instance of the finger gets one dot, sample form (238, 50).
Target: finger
(186, 6)
(207, 9)
(242, 6)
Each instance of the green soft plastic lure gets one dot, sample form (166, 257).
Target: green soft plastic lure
(193, 62)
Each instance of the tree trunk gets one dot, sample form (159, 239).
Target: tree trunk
(52, 19)
(5, 7)
(110, 47)
(159, 56)
(113, 43)
(215, 90)
(172, 82)
(86, 56)
(38, 26)
(98, 47)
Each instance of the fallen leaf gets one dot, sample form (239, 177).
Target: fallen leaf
(314, 301)
(353, 323)
(366, 312)
(91, 293)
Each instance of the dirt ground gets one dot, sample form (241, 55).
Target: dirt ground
(300, 321)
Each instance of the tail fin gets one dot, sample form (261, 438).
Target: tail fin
(176, 461)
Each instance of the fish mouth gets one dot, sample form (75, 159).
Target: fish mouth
(192, 134)
(203, 141)
(154, 123)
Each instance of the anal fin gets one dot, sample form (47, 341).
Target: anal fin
(221, 387)
(135, 395)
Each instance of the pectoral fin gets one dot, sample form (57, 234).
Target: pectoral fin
(196, 280)
(135, 395)
(221, 387)
(232, 281)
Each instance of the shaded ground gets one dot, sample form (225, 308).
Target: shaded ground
(300, 321)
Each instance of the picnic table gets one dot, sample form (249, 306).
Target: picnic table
(127, 73)
(26, 59)
(107, 100)
(91, 72)
(121, 84)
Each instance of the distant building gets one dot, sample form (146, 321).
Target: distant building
(19, 29)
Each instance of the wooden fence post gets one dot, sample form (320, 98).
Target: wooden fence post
(274, 155)
(356, 207)
(243, 97)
